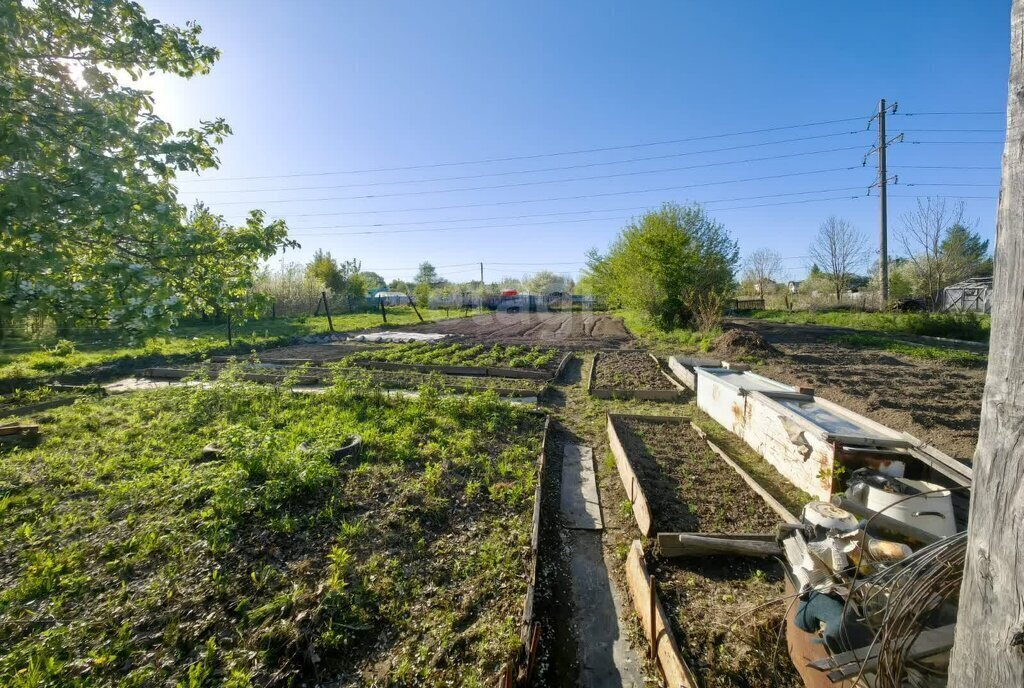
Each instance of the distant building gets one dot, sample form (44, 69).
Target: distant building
(793, 286)
(973, 295)
(391, 298)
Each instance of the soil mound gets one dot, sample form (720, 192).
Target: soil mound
(735, 344)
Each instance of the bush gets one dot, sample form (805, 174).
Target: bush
(668, 264)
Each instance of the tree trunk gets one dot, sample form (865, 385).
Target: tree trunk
(989, 649)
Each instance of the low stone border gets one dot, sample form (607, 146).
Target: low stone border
(639, 394)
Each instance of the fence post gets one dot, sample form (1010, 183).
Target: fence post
(229, 329)
(383, 313)
(327, 310)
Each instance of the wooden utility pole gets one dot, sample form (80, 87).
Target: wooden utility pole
(883, 180)
(989, 647)
(481, 287)
(327, 310)
(883, 226)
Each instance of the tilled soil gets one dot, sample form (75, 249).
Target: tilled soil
(690, 489)
(629, 370)
(935, 401)
(572, 329)
(711, 600)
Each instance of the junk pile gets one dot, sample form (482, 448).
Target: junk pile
(875, 598)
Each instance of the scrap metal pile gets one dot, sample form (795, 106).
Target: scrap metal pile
(881, 599)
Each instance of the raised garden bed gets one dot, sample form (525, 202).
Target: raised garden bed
(269, 564)
(631, 375)
(460, 359)
(376, 379)
(688, 488)
(313, 354)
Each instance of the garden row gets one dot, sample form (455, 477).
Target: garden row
(710, 619)
(134, 557)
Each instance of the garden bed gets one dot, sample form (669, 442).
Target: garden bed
(630, 375)
(461, 359)
(132, 558)
(708, 601)
(684, 485)
(354, 377)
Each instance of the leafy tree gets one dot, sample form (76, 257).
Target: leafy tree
(92, 228)
(325, 272)
(222, 280)
(667, 264)
(398, 285)
(373, 281)
(964, 253)
(422, 293)
(547, 282)
(427, 274)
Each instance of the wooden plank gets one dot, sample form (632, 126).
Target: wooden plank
(664, 645)
(561, 366)
(777, 506)
(580, 504)
(640, 506)
(712, 544)
(638, 394)
(675, 544)
(15, 429)
(38, 406)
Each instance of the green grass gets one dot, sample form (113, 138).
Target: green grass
(969, 326)
(679, 340)
(918, 351)
(130, 560)
(28, 360)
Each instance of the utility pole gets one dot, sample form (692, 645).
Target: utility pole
(883, 180)
(481, 287)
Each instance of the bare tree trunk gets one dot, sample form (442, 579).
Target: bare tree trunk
(989, 649)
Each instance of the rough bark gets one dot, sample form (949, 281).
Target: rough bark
(989, 649)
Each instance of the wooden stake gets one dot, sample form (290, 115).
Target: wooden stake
(413, 304)
(229, 329)
(383, 313)
(327, 310)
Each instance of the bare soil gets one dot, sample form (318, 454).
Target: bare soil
(569, 329)
(690, 489)
(934, 401)
(710, 601)
(629, 370)
(739, 344)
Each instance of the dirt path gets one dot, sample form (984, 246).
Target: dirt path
(590, 637)
(935, 401)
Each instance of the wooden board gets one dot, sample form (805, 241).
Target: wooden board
(580, 504)
(743, 544)
(637, 394)
(640, 506)
(35, 408)
(677, 674)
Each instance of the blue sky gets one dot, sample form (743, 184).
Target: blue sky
(319, 88)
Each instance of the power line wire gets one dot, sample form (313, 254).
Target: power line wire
(559, 198)
(423, 192)
(543, 155)
(429, 230)
(571, 167)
